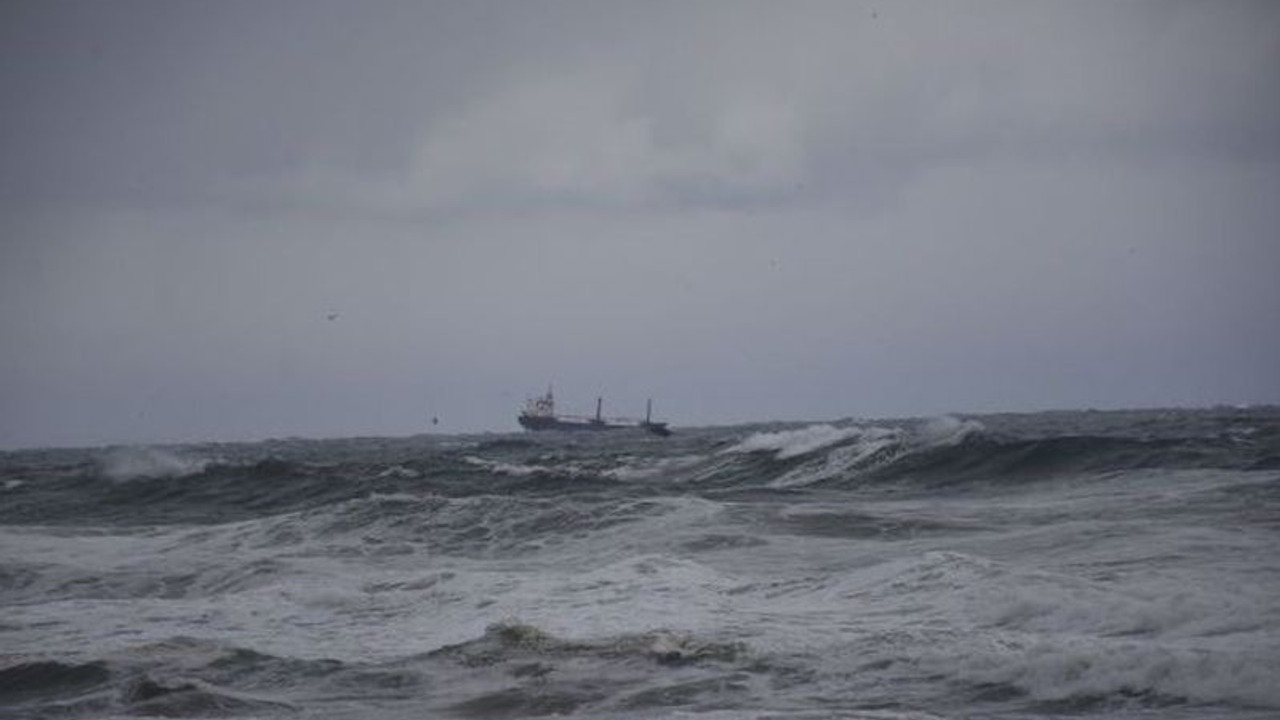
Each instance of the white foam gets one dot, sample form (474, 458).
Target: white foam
(947, 430)
(645, 470)
(793, 443)
(622, 472)
(632, 595)
(872, 443)
(1059, 637)
(502, 468)
(1062, 668)
(122, 464)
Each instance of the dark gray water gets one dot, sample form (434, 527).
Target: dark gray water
(1081, 564)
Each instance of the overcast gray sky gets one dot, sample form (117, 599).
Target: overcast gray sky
(748, 211)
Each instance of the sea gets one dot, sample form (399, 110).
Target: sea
(1119, 564)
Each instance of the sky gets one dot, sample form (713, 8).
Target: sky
(267, 218)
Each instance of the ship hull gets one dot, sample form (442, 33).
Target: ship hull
(540, 423)
(529, 422)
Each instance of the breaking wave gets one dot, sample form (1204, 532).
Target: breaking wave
(956, 451)
(132, 463)
(786, 444)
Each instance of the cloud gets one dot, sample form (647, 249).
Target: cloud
(582, 139)
(748, 209)
(676, 105)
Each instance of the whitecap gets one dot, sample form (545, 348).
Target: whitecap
(793, 443)
(122, 464)
(947, 430)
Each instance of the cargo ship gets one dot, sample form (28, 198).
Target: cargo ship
(539, 413)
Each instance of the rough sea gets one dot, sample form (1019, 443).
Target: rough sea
(1073, 564)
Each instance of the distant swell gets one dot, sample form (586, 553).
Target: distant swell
(948, 451)
(199, 485)
(988, 459)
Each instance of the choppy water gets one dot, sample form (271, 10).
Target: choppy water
(1083, 564)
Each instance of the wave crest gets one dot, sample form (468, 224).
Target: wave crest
(123, 464)
(787, 444)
